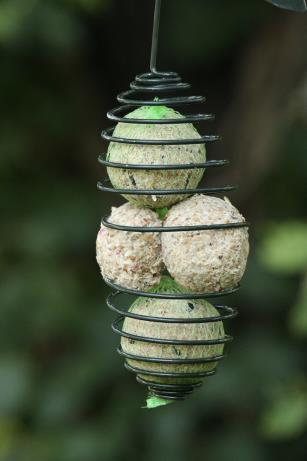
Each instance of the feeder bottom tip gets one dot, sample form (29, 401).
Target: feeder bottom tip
(156, 402)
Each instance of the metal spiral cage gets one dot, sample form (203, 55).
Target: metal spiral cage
(157, 84)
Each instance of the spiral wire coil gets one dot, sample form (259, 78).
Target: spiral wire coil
(160, 84)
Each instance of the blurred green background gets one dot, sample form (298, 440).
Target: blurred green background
(64, 393)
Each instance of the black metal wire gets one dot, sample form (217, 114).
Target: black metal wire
(148, 89)
(184, 375)
(117, 114)
(175, 296)
(226, 312)
(108, 135)
(103, 186)
(203, 227)
(173, 342)
(170, 391)
(138, 166)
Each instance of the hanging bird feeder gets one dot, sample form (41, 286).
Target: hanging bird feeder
(172, 336)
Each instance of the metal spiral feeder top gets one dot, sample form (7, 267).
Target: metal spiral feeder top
(158, 83)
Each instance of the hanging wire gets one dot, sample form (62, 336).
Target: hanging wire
(155, 37)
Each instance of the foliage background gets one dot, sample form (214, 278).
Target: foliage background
(64, 394)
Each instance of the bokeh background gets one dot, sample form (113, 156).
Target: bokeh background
(64, 393)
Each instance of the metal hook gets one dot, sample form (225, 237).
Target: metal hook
(294, 5)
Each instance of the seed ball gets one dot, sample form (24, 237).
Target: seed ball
(166, 308)
(130, 259)
(122, 178)
(205, 261)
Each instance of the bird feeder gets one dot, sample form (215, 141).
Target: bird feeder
(172, 336)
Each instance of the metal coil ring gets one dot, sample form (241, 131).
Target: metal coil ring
(226, 313)
(169, 391)
(175, 296)
(178, 166)
(166, 374)
(117, 115)
(199, 190)
(203, 227)
(108, 136)
(169, 386)
(169, 361)
(171, 342)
